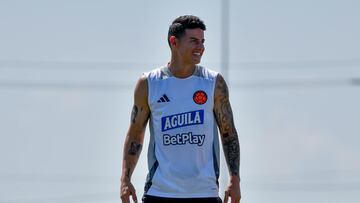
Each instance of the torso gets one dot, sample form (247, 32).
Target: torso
(183, 154)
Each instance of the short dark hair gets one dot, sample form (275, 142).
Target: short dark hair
(178, 26)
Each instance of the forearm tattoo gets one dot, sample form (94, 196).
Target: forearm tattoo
(134, 113)
(135, 148)
(232, 154)
(224, 118)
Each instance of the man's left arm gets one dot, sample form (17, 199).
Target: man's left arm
(229, 138)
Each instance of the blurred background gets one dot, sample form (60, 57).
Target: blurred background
(68, 70)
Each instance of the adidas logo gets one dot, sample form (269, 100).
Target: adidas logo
(164, 98)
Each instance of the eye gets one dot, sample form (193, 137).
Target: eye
(195, 41)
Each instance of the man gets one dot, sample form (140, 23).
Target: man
(186, 104)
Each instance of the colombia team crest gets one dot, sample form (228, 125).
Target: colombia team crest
(200, 97)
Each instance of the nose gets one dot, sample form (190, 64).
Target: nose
(200, 46)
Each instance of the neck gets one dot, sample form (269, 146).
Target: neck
(180, 69)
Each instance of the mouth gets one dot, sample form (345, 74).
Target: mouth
(197, 54)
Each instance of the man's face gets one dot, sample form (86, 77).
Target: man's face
(191, 46)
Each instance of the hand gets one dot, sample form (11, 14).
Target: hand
(127, 189)
(233, 191)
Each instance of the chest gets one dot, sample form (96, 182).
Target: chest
(174, 96)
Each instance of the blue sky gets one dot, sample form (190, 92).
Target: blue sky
(68, 68)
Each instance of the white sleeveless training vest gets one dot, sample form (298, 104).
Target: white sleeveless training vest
(183, 155)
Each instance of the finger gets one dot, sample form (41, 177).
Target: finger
(125, 199)
(235, 199)
(125, 196)
(226, 197)
(134, 197)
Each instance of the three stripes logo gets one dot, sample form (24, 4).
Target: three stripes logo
(163, 98)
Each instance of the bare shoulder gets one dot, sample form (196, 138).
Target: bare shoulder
(141, 110)
(141, 89)
(221, 88)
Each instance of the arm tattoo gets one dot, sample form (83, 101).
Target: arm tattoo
(224, 118)
(223, 110)
(134, 113)
(232, 153)
(135, 148)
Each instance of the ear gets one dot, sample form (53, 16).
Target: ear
(172, 40)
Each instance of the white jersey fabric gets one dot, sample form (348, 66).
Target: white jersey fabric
(183, 155)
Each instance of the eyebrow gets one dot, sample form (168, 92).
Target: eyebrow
(194, 38)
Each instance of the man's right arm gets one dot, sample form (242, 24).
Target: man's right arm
(134, 139)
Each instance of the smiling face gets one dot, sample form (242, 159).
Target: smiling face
(190, 47)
